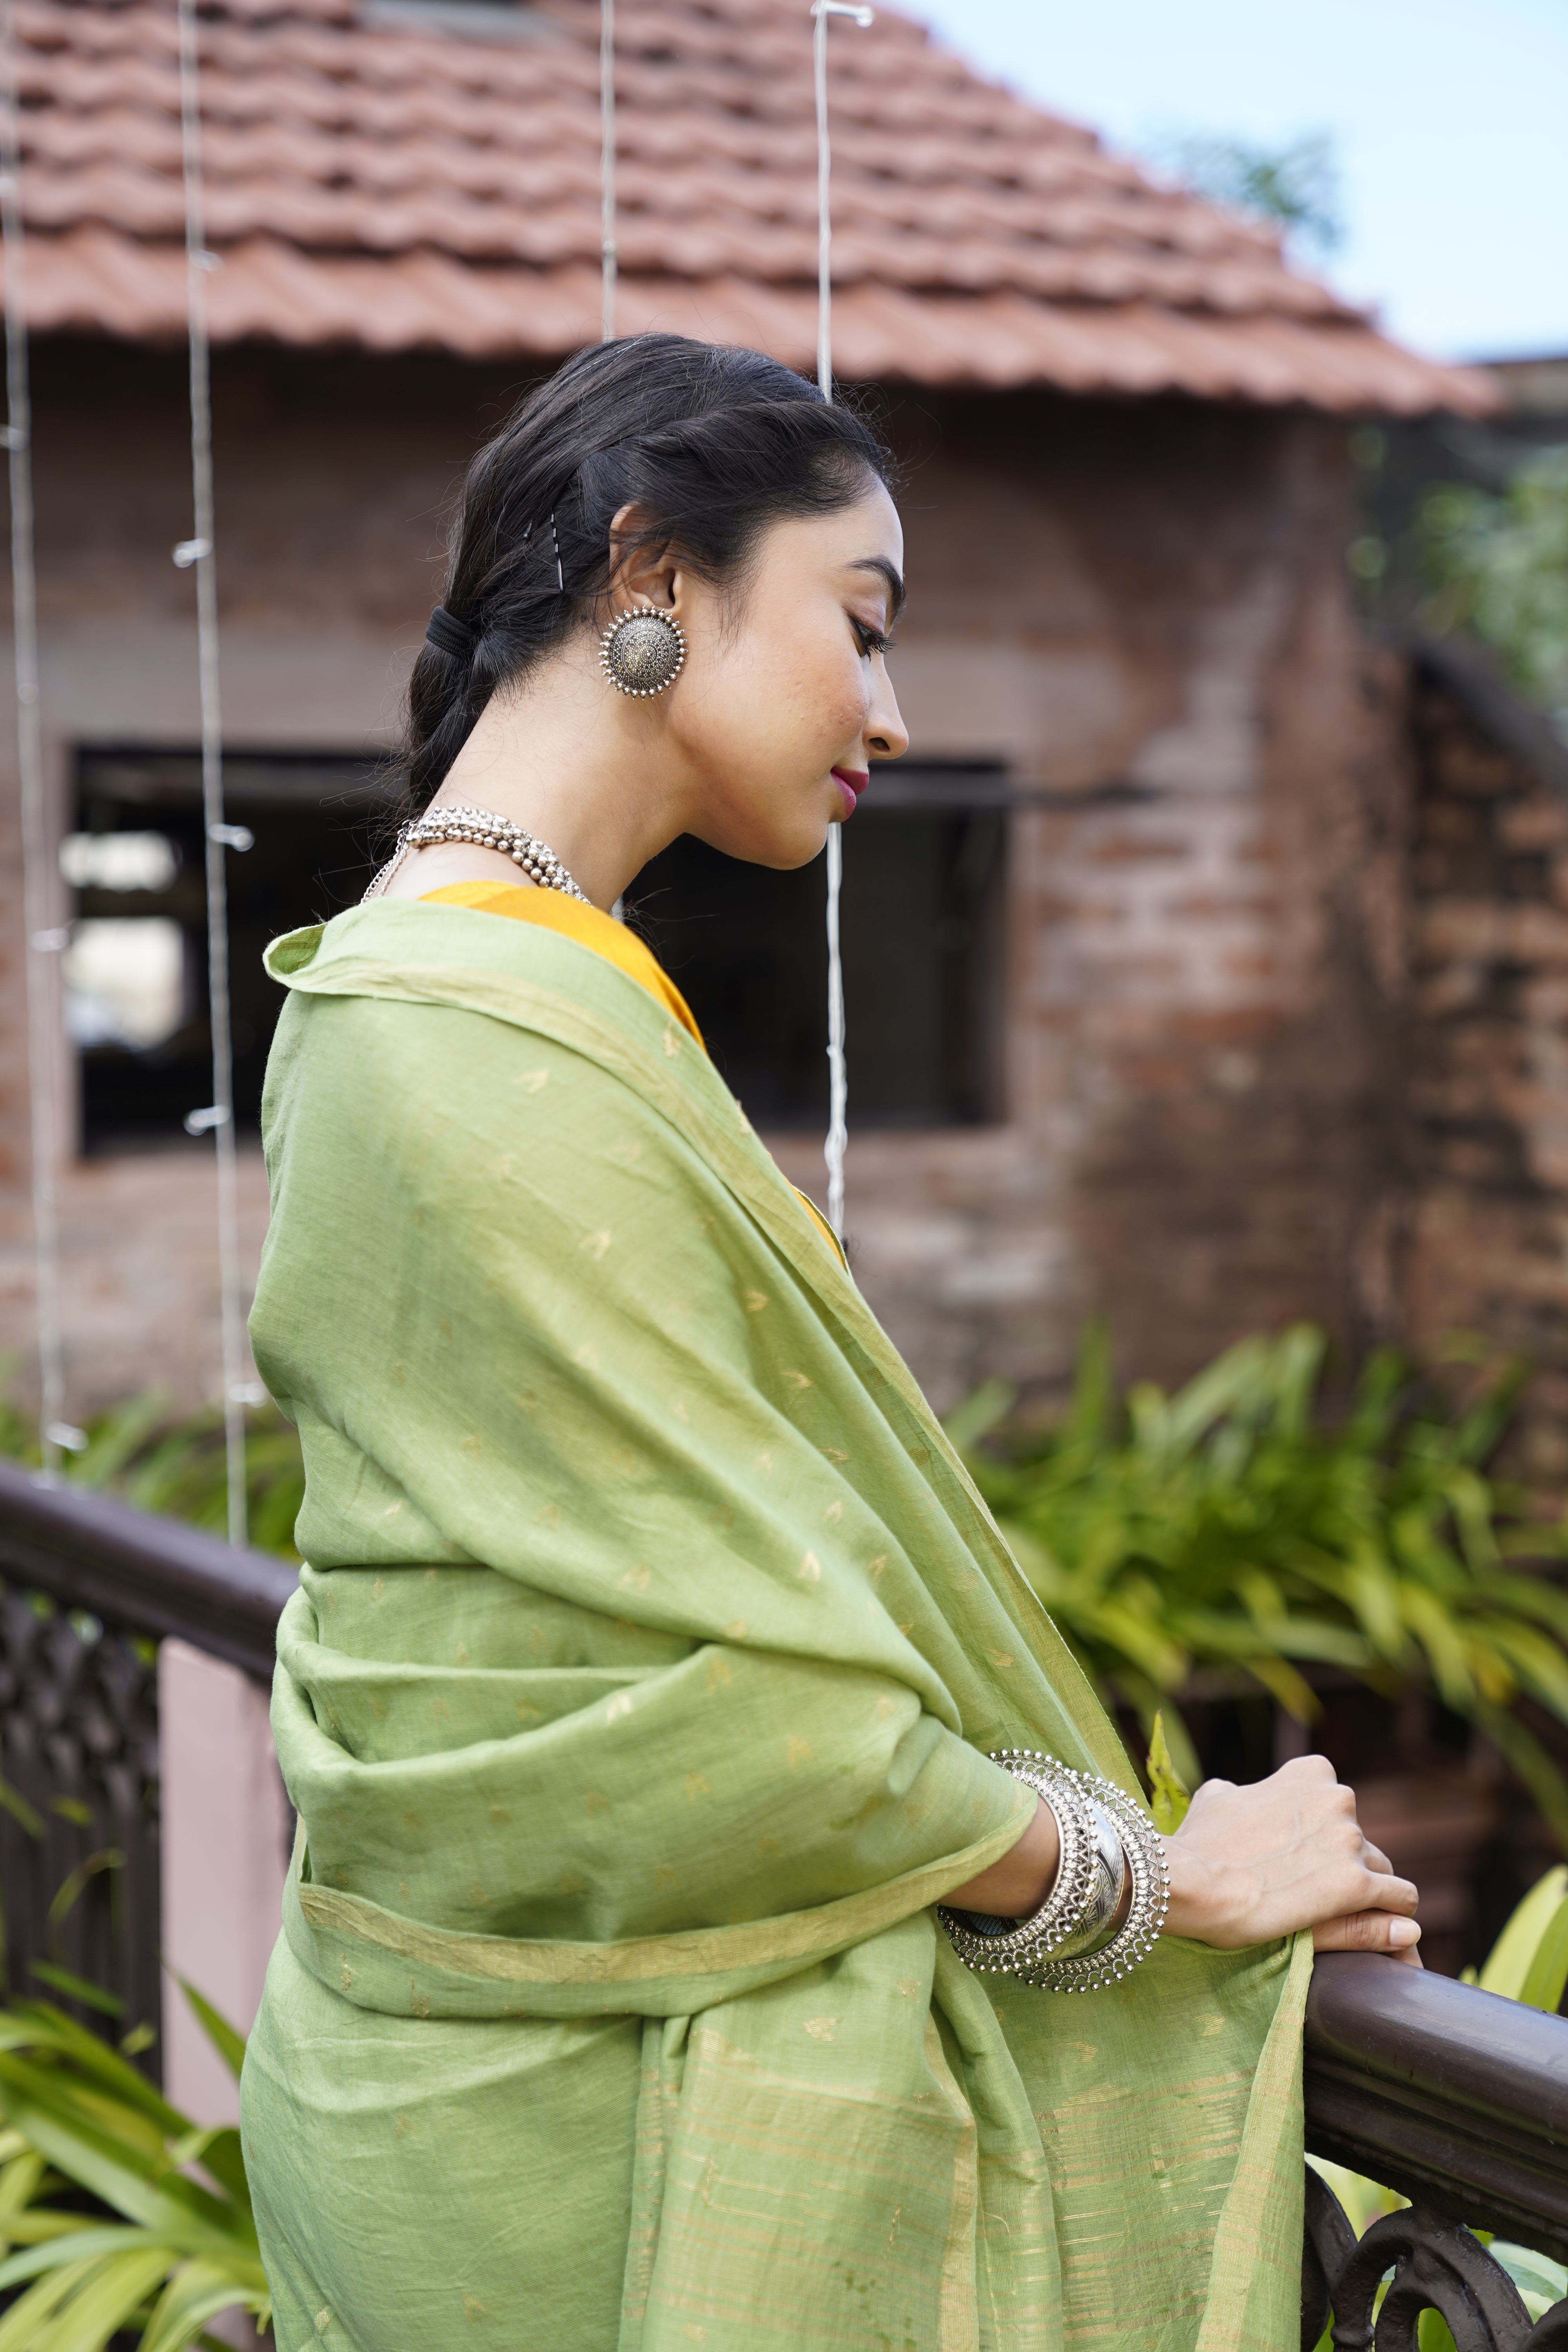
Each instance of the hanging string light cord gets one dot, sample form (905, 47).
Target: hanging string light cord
(607, 165)
(199, 550)
(838, 1067)
(42, 940)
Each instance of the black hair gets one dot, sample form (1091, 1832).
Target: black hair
(710, 443)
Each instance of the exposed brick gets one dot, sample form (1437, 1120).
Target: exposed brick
(1533, 824)
(1209, 1029)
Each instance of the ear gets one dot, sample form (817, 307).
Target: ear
(646, 574)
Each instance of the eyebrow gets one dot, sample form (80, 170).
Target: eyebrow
(891, 576)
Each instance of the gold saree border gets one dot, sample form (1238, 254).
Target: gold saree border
(798, 1938)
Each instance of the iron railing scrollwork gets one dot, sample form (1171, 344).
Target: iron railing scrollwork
(87, 1588)
(78, 1838)
(1451, 2097)
(1458, 2100)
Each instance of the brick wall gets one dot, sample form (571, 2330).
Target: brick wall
(1487, 1244)
(1140, 608)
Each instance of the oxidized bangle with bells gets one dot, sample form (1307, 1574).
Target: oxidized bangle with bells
(1072, 1943)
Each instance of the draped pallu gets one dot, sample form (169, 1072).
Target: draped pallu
(635, 1704)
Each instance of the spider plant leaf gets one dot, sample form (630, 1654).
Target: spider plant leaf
(19, 2181)
(219, 2153)
(979, 1413)
(22, 2325)
(81, 2106)
(1282, 1683)
(1548, 1971)
(225, 2039)
(1536, 1660)
(195, 2292)
(1519, 1747)
(179, 2209)
(112, 2293)
(44, 2027)
(80, 2245)
(75, 1988)
(1434, 1628)
(1508, 1963)
(1529, 1596)
(26, 1816)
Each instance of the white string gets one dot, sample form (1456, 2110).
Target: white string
(42, 940)
(199, 550)
(838, 1138)
(607, 253)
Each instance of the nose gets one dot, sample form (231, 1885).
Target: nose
(887, 737)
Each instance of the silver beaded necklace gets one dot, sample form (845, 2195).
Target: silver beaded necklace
(484, 830)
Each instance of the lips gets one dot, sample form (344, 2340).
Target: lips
(852, 781)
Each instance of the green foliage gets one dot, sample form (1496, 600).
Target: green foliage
(1529, 1962)
(1169, 1795)
(1228, 1527)
(175, 1463)
(1498, 565)
(168, 2240)
(1297, 187)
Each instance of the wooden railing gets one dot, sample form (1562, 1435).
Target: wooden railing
(1458, 2100)
(1453, 2098)
(88, 1587)
(152, 1575)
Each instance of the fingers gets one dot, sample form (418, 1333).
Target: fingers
(1368, 1931)
(1374, 1857)
(1365, 1889)
(1386, 1893)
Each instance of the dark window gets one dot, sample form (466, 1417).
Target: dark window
(136, 972)
(922, 919)
(921, 927)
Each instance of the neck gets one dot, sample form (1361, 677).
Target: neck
(582, 768)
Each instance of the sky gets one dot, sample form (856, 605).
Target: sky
(1450, 120)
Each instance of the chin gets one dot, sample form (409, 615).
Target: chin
(780, 859)
(782, 850)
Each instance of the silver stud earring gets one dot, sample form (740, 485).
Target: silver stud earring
(642, 652)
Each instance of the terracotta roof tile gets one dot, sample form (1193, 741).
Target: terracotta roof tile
(374, 177)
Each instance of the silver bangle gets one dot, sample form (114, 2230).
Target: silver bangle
(1071, 1943)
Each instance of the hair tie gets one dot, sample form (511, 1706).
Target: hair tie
(449, 636)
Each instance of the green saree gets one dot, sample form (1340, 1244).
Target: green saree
(635, 1704)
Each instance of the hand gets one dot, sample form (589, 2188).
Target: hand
(1248, 1864)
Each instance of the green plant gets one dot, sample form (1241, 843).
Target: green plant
(1498, 564)
(175, 1463)
(1295, 188)
(1227, 1526)
(76, 2118)
(1529, 1962)
(1169, 1798)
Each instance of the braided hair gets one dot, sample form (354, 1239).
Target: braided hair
(710, 444)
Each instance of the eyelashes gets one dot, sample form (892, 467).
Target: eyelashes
(871, 641)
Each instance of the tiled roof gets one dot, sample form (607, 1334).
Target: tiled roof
(397, 174)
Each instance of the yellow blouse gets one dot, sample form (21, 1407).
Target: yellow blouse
(607, 937)
(586, 925)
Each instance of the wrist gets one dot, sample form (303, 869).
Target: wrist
(1191, 1903)
(1015, 1886)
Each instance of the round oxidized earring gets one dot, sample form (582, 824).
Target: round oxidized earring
(642, 651)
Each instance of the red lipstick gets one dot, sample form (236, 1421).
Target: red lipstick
(851, 783)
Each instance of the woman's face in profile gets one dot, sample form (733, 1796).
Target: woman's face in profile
(785, 705)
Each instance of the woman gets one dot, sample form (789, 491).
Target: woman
(638, 1699)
